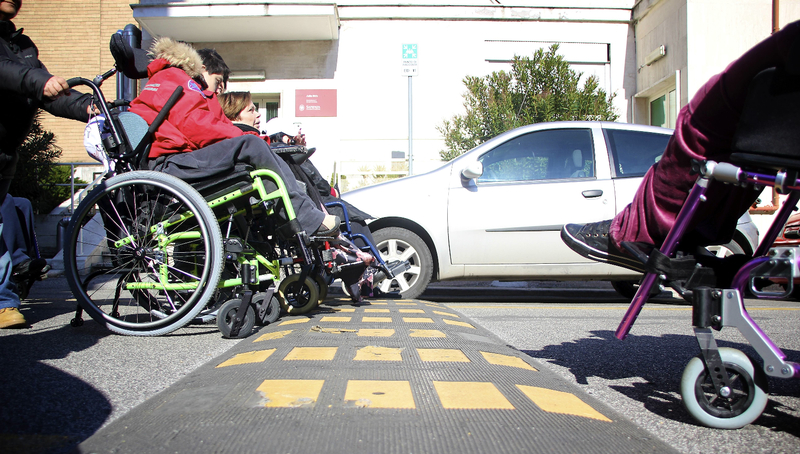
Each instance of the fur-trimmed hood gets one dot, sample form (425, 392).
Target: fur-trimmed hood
(179, 55)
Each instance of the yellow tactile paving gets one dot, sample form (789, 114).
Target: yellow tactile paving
(446, 313)
(560, 402)
(373, 353)
(295, 321)
(506, 360)
(374, 310)
(377, 319)
(311, 354)
(290, 393)
(331, 318)
(457, 323)
(417, 320)
(412, 311)
(379, 303)
(405, 304)
(471, 395)
(343, 309)
(365, 332)
(450, 355)
(426, 333)
(249, 357)
(379, 394)
(275, 335)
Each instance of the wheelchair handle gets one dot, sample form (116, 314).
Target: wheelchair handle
(98, 95)
(724, 172)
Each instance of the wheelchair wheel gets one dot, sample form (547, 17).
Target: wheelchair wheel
(267, 311)
(227, 315)
(746, 401)
(153, 251)
(322, 286)
(298, 297)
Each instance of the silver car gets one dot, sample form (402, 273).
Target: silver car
(495, 212)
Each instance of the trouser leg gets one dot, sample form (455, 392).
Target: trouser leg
(13, 233)
(221, 157)
(704, 130)
(8, 295)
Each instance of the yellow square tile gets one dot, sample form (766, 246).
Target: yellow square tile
(275, 335)
(471, 395)
(442, 354)
(290, 393)
(412, 311)
(331, 318)
(311, 354)
(372, 353)
(377, 319)
(560, 402)
(249, 357)
(457, 323)
(343, 309)
(295, 321)
(426, 333)
(379, 394)
(373, 310)
(406, 304)
(417, 320)
(506, 360)
(378, 303)
(446, 313)
(376, 332)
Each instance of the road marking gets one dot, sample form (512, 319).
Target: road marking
(471, 395)
(377, 319)
(290, 393)
(446, 313)
(330, 318)
(376, 310)
(426, 333)
(249, 357)
(295, 321)
(365, 332)
(417, 320)
(311, 354)
(412, 311)
(553, 401)
(379, 394)
(457, 323)
(275, 335)
(506, 360)
(372, 353)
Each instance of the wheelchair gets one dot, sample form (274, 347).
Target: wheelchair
(724, 387)
(146, 253)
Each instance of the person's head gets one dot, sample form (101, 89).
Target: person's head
(215, 71)
(9, 9)
(238, 106)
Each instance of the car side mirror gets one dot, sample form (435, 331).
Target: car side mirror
(474, 170)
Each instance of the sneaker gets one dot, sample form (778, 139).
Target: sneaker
(329, 227)
(10, 317)
(592, 241)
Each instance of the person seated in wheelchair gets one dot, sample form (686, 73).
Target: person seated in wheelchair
(197, 141)
(705, 130)
(238, 106)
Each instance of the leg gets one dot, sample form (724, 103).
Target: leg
(221, 157)
(9, 301)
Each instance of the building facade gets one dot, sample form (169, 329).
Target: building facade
(369, 83)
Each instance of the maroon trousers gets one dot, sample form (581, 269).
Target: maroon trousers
(704, 130)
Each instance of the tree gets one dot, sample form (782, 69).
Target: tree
(539, 89)
(37, 173)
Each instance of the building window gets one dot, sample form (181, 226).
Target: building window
(664, 110)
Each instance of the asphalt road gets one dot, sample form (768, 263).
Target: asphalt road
(61, 384)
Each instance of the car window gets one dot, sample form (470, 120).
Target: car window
(633, 152)
(541, 155)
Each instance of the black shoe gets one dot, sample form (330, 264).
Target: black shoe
(592, 242)
(30, 269)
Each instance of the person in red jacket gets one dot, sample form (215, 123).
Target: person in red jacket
(197, 141)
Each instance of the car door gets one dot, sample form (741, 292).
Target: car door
(532, 184)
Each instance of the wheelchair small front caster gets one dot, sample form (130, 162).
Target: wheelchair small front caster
(227, 316)
(731, 408)
(267, 310)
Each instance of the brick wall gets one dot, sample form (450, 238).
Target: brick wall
(72, 37)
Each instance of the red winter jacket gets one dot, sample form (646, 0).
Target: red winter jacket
(194, 122)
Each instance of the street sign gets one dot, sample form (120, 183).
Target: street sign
(409, 64)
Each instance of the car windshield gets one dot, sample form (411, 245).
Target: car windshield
(633, 152)
(541, 155)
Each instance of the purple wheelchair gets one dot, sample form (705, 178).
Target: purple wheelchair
(723, 387)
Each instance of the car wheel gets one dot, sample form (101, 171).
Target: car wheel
(395, 243)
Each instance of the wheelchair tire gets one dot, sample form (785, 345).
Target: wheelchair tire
(113, 237)
(297, 297)
(322, 287)
(227, 315)
(747, 400)
(267, 311)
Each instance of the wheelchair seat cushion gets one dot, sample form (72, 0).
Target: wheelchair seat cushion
(769, 122)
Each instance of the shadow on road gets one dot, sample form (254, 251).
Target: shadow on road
(659, 361)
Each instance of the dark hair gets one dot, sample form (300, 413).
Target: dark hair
(234, 102)
(215, 64)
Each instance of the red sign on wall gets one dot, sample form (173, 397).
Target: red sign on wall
(315, 103)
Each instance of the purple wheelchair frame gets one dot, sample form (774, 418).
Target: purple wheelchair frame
(731, 312)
